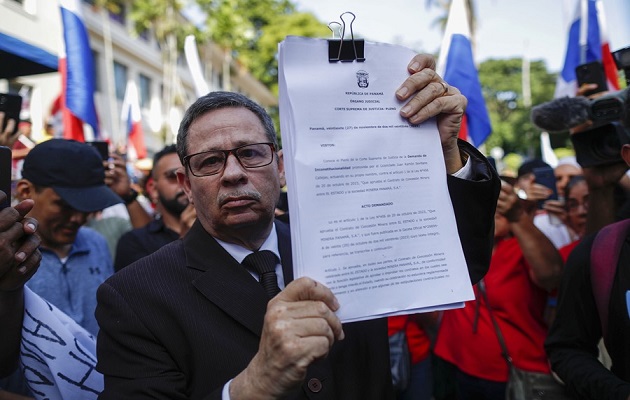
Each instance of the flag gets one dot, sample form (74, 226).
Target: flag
(194, 65)
(456, 65)
(55, 119)
(586, 42)
(77, 73)
(548, 155)
(132, 115)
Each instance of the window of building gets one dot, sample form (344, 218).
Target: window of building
(120, 79)
(29, 6)
(118, 13)
(145, 90)
(145, 35)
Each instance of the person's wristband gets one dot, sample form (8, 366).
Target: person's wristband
(131, 197)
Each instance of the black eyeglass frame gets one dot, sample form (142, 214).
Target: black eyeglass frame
(227, 154)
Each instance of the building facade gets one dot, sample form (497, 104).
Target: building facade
(119, 57)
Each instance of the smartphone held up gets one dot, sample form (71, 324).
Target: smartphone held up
(10, 105)
(5, 175)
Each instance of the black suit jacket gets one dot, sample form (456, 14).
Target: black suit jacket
(181, 322)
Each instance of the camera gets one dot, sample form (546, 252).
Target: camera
(600, 145)
(610, 115)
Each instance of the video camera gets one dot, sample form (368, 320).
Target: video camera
(601, 144)
(610, 114)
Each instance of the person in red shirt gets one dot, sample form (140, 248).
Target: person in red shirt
(525, 266)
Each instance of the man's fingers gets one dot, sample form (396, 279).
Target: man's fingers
(8, 217)
(422, 70)
(307, 298)
(308, 289)
(10, 126)
(306, 312)
(24, 206)
(416, 82)
(426, 105)
(538, 192)
(27, 248)
(21, 273)
(318, 346)
(310, 327)
(30, 225)
(420, 62)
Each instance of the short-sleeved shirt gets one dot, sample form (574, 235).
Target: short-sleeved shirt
(518, 306)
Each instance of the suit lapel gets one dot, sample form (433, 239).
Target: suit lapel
(224, 281)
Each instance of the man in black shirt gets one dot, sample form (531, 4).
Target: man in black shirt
(573, 338)
(174, 216)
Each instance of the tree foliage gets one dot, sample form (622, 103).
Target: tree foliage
(252, 34)
(264, 64)
(249, 31)
(501, 82)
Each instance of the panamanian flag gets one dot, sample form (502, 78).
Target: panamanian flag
(456, 65)
(132, 115)
(77, 71)
(586, 26)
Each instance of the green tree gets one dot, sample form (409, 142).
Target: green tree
(263, 62)
(501, 82)
(252, 34)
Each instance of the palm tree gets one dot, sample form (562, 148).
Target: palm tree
(446, 5)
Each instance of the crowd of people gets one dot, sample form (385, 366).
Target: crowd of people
(194, 297)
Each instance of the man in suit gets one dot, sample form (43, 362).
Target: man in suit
(190, 321)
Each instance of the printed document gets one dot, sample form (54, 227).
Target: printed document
(371, 216)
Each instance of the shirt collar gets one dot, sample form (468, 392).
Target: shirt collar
(239, 252)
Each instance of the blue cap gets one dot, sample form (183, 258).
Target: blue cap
(74, 170)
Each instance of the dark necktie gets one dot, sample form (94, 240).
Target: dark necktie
(264, 263)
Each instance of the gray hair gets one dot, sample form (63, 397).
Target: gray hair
(215, 101)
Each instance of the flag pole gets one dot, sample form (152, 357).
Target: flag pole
(525, 77)
(583, 30)
(109, 73)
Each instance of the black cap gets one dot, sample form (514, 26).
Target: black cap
(73, 170)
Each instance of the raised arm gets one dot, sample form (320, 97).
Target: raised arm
(19, 259)
(542, 256)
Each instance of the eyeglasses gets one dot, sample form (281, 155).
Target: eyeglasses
(212, 162)
(573, 204)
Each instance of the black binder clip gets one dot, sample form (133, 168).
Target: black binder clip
(345, 50)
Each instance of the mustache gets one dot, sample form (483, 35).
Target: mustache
(239, 193)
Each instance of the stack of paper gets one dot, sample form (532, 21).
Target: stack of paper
(371, 216)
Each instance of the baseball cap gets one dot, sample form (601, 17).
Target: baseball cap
(74, 170)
